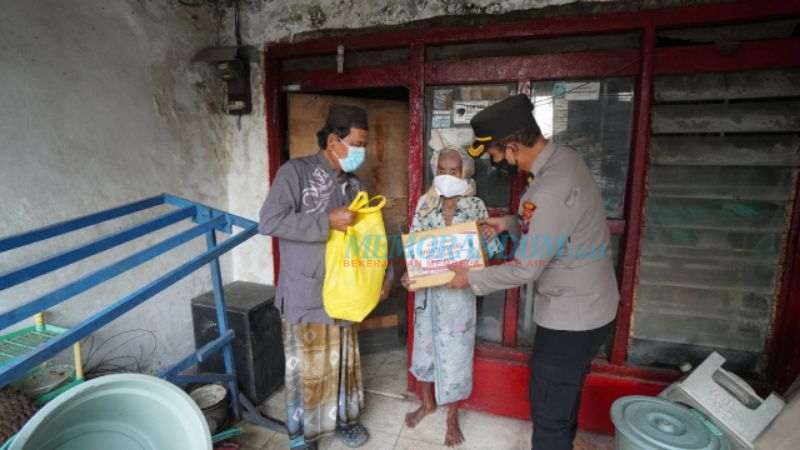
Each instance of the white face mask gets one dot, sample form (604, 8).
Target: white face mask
(450, 186)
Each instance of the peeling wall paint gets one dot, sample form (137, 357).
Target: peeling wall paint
(100, 106)
(272, 20)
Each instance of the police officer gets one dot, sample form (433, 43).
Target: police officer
(562, 247)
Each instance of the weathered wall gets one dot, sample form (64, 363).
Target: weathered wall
(270, 21)
(99, 106)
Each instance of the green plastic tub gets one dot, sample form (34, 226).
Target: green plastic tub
(119, 412)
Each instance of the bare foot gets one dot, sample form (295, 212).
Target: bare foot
(413, 418)
(428, 405)
(454, 436)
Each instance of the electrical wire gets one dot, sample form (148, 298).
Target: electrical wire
(109, 362)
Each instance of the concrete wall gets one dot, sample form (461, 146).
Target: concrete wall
(100, 106)
(269, 21)
(264, 21)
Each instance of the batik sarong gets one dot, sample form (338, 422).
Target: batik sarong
(323, 380)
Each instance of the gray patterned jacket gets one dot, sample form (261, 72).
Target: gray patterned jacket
(296, 211)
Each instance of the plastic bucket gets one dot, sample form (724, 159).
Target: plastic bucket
(656, 424)
(119, 412)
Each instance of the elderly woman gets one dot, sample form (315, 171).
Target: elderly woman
(445, 319)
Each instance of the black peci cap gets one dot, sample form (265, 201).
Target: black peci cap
(346, 116)
(498, 121)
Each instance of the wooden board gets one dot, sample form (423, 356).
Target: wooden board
(716, 214)
(698, 330)
(766, 150)
(733, 33)
(721, 304)
(707, 273)
(755, 117)
(385, 170)
(720, 182)
(729, 86)
(379, 322)
(749, 117)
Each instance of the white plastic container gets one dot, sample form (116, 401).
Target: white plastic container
(117, 412)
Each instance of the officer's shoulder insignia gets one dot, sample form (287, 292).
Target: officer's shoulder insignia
(525, 216)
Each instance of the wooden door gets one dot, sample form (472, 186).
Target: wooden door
(384, 172)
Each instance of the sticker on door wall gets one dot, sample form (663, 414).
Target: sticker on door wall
(577, 91)
(440, 119)
(442, 99)
(445, 137)
(464, 111)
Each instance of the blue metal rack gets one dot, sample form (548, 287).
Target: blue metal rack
(208, 221)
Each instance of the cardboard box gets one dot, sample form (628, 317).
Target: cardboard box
(429, 253)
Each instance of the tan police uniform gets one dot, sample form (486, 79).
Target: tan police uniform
(563, 246)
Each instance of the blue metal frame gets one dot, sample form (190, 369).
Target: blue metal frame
(208, 221)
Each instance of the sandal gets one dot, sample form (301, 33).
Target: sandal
(353, 435)
(304, 446)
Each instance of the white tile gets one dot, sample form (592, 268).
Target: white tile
(275, 405)
(279, 441)
(592, 441)
(391, 383)
(384, 414)
(377, 441)
(431, 429)
(483, 431)
(411, 444)
(326, 443)
(254, 436)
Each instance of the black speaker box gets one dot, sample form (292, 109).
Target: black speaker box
(257, 347)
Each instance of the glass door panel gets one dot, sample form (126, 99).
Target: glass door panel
(448, 112)
(595, 118)
(447, 115)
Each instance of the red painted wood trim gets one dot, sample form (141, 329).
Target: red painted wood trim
(548, 26)
(273, 115)
(488, 350)
(783, 345)
(535, 67)
(616, 226)
(496, 212)
(416, 149)
(635, 199)
(501, 387)
(751, 55)
(511, 317)
(511, 303)
(361, 77)
(599, 364)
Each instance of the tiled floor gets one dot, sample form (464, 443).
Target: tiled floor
(386, 406)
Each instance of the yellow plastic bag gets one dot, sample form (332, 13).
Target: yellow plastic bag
(355, 262)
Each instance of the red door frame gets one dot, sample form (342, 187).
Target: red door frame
(504, 366)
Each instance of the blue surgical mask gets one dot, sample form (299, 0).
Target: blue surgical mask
(355, 157)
